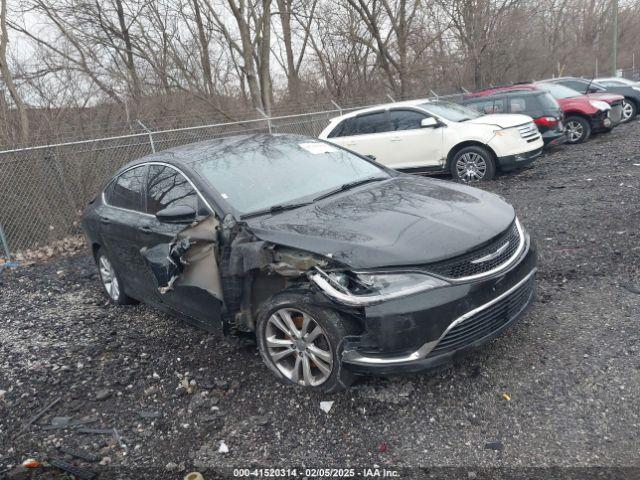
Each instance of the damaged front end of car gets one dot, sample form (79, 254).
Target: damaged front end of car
(402, 319)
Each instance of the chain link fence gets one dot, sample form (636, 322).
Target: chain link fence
(43, 190)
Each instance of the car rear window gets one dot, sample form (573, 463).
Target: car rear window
(548, 102)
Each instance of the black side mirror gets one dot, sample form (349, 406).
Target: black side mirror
(177, 214)
(372, 157)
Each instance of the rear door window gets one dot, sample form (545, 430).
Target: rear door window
(373, 123)
(166, 187)
(405, 119)
(126, 190)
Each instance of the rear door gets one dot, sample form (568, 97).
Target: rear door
(368, 134)
(420, 147)
(119, 219)
(167, 187)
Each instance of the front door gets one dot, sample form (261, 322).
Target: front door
(420, 146)
(196, 291)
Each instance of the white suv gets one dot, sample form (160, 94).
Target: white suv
(436, 135)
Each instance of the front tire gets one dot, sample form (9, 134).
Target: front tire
(473, 164)
(111, 281)
(299, 342)
(629, 110)
(578, 130)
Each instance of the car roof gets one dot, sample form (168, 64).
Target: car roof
(507, 93)
(187, 154)
(383, 106)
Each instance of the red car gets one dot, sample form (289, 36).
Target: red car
(584, 114)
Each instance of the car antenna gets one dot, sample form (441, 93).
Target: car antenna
(588, 85)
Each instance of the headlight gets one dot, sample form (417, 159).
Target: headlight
(600, 105)
(370, 288)
(501, 133)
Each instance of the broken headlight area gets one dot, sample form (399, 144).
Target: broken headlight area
(368, 288)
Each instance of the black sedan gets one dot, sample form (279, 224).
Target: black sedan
(334, 264)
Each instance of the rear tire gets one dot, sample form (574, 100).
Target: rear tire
(578, 130)
(111, 281)
(473, 164)
(629, 110)
(295, 350)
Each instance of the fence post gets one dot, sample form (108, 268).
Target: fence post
(4, 243)
(261, 112)
(144, 127)
(337, 106)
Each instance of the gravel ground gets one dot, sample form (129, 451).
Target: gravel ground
(571, 367)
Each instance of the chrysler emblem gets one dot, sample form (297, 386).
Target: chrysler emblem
(491, 256)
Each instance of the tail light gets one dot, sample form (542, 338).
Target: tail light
(548, 122)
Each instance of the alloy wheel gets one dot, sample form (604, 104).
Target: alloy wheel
(575, 131)
(109, 278)
(299, 347)
(627, 111)
(471, 167)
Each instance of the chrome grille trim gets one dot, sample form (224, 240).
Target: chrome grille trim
(528, 131)
(522, 245)
(422, 352)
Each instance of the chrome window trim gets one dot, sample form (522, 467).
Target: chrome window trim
(359, 359)
(164, 164)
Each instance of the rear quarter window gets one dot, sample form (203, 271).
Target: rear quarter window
(345, 128)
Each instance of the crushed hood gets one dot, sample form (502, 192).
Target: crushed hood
(503, 120)
(405, 220)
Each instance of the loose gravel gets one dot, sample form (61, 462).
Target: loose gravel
(560, 388)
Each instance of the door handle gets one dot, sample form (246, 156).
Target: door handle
(146, 230)
(396, 139)
(104, 220)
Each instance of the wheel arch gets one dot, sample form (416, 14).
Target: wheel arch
(468, 143)
(576, 113)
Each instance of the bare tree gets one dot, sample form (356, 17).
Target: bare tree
(7, 76)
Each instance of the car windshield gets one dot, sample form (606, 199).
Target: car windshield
(558, 91)
(450, 111)
(275, 171)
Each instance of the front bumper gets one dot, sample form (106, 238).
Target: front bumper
(423, 331)
(604, 121)
(512, 162)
